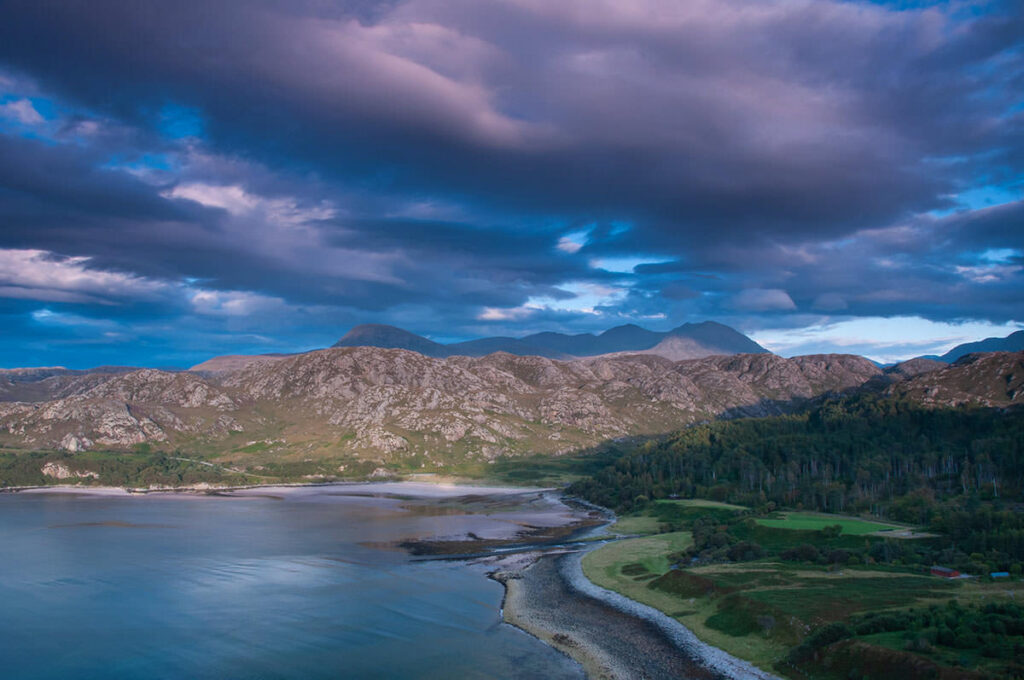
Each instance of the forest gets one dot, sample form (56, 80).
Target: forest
(858, 454)
(959, 472)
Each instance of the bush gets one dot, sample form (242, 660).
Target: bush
(826, 635)
(831, 531)
(745, 552)
(801, 553)
(882, 623)
(822, 637)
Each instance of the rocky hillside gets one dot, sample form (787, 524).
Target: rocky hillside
(233, 362)
(912, 367)
(987, 379)
(46, 383)
(383, 402)
(386, 404)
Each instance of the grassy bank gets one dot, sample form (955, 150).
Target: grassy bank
(629, 566)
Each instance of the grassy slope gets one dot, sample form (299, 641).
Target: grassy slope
(650, 551)
(663, 511)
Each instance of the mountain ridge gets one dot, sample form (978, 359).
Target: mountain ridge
(392, 405)
(1014, 342)
(707, 338)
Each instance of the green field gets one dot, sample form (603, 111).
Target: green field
(668, 515)
(805, 521)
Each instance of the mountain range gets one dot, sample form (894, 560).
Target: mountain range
(689, 341)
(391, 405)
(384, 394)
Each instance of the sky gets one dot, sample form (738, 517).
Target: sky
(181, 180)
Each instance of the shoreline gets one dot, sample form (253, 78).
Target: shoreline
(708, 655)
(515, 609)
(212, 489)
(548, 596)
(609, 643)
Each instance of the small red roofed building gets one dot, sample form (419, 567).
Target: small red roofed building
(945, 572)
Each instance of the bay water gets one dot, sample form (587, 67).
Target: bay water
(296, 585)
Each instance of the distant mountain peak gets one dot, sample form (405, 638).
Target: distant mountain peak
(1014, 342)
(372, 330)
(717, 335)
(626, 327)
(390, 337)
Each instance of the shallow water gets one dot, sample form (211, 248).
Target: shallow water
(284, 586)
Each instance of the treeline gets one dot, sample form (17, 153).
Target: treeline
(860, 454)
(111, 469)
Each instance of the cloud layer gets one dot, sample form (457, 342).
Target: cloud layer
(262, 175)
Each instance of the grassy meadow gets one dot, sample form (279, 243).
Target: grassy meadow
(806, 521)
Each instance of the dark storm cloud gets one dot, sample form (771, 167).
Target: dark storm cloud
(792, 117)
(56, 199)
(417, 162)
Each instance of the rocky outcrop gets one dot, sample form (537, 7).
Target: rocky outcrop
(74, 444)
(62, 471)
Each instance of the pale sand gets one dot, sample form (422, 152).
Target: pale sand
(81, 490)
(488, 512)
(419, 489)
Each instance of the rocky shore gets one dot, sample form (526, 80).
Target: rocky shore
(612, 637)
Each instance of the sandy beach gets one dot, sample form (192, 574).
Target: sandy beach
(71, 489)
(418, 489)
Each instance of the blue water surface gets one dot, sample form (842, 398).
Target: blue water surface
(175, 586)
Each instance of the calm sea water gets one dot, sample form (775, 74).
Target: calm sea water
(195, 587)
